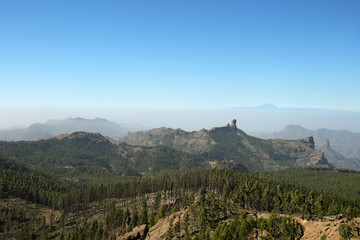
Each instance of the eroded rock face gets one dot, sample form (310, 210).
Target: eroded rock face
(327, 144)
(310, 141)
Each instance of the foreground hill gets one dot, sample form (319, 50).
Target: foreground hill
(230, 147)
(82, 153)
(53, 128)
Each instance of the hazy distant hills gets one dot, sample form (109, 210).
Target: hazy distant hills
(342, 148)
(53, 128)
(229, 146)
(267, 106)
(272, 107)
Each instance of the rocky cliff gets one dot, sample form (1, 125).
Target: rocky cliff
(338, 160)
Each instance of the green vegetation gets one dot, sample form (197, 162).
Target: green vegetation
(31, 185)
(218, 203)
(337, 183)
(81, 186)
(82, 157)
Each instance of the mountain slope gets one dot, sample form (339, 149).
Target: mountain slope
(20, 181)
(344, 142)
(53, 128)
(338, 160)
(229, 146)
(82, 153)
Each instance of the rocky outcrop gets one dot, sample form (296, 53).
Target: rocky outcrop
(310, 142)
(327, 144)
(138, 233)
(323, 160)
(338, 160)
(233, 123)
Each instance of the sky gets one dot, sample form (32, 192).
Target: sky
(182, 55)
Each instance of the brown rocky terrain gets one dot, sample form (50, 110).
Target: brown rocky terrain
(231, 147)
(329, 226)
(313, 229)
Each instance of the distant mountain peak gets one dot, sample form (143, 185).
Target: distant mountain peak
(52, 128)
(294, 126)
(102, 119)
(267, 106)
(272, 107)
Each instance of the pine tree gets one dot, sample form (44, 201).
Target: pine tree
(186, 222)
(144, 213)
(134, 218)
(157, 201)
(170, 232)
(345, 231)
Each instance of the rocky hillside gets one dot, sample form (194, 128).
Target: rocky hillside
(82, 153)
(230, 147)
(338, 160)
(344, 142)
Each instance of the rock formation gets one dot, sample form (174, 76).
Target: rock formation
(338, 160)
(233, 123)
(327, 144)
(323, 160)
(310, 141)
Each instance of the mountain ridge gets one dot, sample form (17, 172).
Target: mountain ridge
(344, 142)
(228, 144)
(81, 153)
(272, 107)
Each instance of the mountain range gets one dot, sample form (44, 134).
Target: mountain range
(53, 128)
(81, 153)
(272, 107)
(341, 147)
(148, 152)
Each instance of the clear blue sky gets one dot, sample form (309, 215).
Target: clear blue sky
(179, 54)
